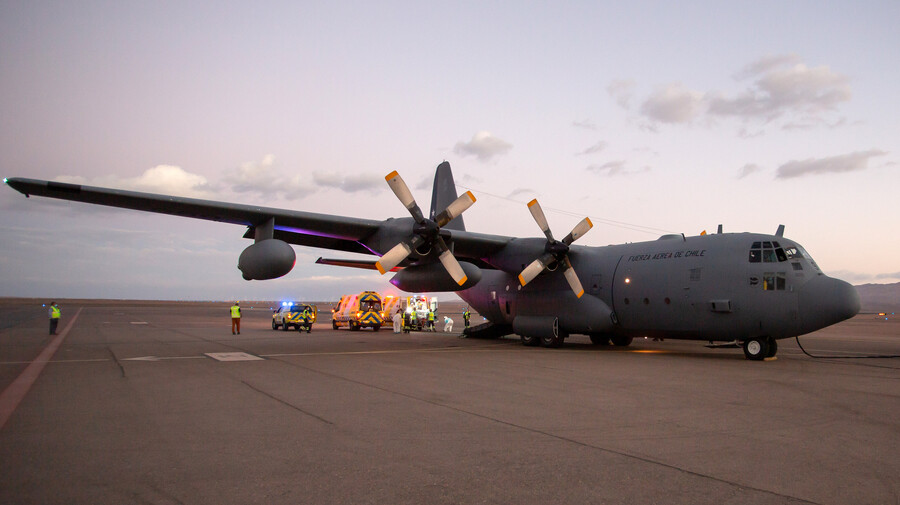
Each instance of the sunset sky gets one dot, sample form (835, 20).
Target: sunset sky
(648, 117)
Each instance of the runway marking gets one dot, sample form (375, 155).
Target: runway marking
(13, 395)
(139, 322)
(160, 358)
(233, 356)
(398, 351)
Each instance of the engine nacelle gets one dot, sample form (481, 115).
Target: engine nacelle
(267, 259)
(433, 277)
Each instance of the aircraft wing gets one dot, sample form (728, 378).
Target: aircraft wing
(310, 229)
(295, 227)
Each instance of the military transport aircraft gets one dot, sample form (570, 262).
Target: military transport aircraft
(736, 289)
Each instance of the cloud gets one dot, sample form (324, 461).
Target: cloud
(349, 183)
(775, 87)
(765, 64)
(622, 91)
(165, 179)
(586, 124)
(673, 104)
(835, 164)
(520, 191)
(797, 90)
(483, 145)
(749, 168)
(596, 148)
(617, 167)
(253, 176)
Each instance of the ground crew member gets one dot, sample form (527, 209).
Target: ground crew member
(236, 318)
(307, 318)
(431, 320)
(397, 322)
(448, 324)
(466, 316)
(54, 314)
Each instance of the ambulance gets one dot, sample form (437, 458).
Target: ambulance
(358, 311)
(417, 308)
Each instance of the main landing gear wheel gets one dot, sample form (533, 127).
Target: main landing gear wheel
(599, 339)
(553, 341)
(756, 348)
(530, 341)
(773, 348)
(619, 341)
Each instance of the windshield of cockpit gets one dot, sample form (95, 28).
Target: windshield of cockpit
(772, 252)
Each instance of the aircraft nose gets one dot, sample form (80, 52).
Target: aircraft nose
(824, 301)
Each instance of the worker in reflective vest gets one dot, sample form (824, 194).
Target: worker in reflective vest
(236, 318)
(54, 313)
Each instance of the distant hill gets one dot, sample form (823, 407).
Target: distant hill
(879, 297)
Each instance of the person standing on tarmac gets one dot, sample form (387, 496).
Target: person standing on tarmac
(397, 322)
(466, 316)
(431, 320)
(236, 318)
(54, 314)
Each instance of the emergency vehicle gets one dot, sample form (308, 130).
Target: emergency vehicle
(417, 308)
(358, 311)
(389, 305)
(290, 314)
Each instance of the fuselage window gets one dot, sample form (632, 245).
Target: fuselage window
(755, 256)
(768, 256)
(774, 281)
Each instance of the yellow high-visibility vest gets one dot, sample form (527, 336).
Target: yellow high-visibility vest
(235, 311)
(54, 312)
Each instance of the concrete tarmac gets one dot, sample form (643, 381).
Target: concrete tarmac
(154, 402)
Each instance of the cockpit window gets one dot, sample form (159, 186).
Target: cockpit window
(767, 252)
(793, 253)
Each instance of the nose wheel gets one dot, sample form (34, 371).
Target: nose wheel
(760, 348)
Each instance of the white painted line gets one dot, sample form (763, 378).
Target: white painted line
(233, 356)
(15, 392)
(139, 322)
(160, 358)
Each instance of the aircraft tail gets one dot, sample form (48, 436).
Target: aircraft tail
(443, 194)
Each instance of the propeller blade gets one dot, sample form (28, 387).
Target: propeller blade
(579, 230)
(455, 209)
(404, 195)
(453, 267)
(534, 269)
(538, 214)
(572, 277)
(393, 257)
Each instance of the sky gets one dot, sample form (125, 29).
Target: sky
(648, 117)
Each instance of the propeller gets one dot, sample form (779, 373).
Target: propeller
(426, 231)
(556, 251)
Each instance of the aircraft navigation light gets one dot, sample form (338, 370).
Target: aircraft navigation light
(627, 280)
